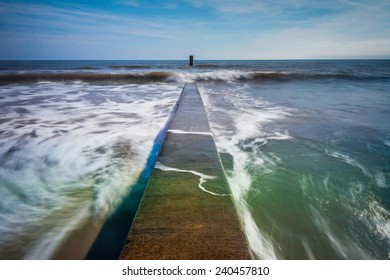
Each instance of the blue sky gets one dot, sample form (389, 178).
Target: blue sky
(209, 29)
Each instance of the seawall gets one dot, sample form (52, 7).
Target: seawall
(187, 211)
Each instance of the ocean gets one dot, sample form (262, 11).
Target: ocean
(305, 146)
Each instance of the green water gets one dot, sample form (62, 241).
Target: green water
(311, 164)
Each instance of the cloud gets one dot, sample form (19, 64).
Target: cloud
(79, 20)
(131, 3)
(269, 8)
(213, 28)
(307, 29)
(42, 31)
(149, 4)
(363, 32)
(286, 12)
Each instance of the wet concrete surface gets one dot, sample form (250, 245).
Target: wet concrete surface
(187, 211)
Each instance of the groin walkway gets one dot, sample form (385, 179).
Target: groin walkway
(187, 211)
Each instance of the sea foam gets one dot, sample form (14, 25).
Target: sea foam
(247, 117)
(202, 177)
(70, 152)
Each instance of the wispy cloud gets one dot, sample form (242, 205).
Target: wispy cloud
(291, 12)
(54, 20)
(308, 29)
(67, 30)
(132, 3)
(148, 4)
(268, 8)
(211, 28)
(362, 31)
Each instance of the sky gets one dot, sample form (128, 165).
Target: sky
(208, 29)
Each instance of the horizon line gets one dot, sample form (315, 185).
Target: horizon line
(225, 59)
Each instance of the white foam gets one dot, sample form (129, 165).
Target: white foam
(178, 131)
(280, 136)
(219, 75)
(261, 245)
(340, 243)
(69, 148)
(376, 175)
(351, 161)
(202, 177)
(377, 218)
(372, 216)
(380, 179)
(239, 128)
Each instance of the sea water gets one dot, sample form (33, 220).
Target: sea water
(305, 146)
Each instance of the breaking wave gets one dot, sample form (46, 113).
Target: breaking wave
(129, 67)
(86, 77)
(168, 76)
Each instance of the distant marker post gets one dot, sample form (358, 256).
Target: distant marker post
(191, 60)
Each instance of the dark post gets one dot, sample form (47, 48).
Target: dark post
(191, 60)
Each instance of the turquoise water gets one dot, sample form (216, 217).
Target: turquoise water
(317, 159)
(307, 145)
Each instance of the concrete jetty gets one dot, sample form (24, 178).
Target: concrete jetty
(187, 211)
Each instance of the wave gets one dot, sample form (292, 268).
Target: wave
(87, 77)
(238, 123)
(213, 65)
(168, 76)
(87, 68)
(68, 155)
(129, 67)
(264, 76)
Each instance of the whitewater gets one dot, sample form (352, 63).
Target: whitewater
(304, 145)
